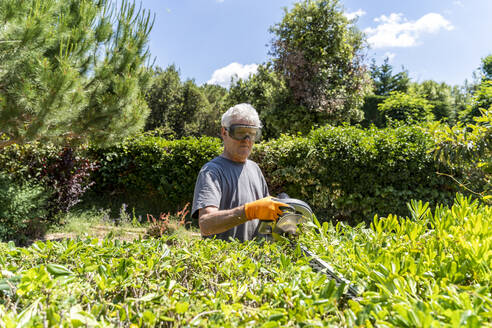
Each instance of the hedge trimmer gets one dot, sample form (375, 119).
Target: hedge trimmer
(287, 225)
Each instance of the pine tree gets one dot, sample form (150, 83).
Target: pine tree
(72, 70)
(385, 81)
(165, 99)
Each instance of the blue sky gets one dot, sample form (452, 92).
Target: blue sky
(212, 40)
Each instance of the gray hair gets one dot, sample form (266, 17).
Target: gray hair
(244, 112)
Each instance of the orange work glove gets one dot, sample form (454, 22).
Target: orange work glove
(265, 209)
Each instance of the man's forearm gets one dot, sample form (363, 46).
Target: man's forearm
(221, 220)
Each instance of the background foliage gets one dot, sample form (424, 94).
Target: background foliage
(406, 108)
(181, 108)
(384, 81)
(344, 172)
(151, 173)
(22, 209)
(318, 53)
(63, 172)
(468, 146)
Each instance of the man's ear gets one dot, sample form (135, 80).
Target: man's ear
(222, 132)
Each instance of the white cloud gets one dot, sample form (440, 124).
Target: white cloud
(396, 31)
(355, 14)
(223, 76)
(458, 3)
(389, 55)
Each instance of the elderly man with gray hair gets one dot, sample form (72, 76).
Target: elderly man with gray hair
(231, 194)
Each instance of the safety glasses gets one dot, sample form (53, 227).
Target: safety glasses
(241, 132)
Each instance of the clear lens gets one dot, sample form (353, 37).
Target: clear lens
(241, 132)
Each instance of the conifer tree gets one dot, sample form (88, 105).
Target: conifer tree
(385, 81)
(72, 69)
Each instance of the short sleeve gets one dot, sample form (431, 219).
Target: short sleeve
(208, 191)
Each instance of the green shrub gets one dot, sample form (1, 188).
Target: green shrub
(351, 173)
(469, 148)
(407, 108)
(482, 100)
(431, 269)
(64, 171)
(28, 161)
(22, 210)
(443, 111)
(343, 172)
(150, 173)
(373, 115)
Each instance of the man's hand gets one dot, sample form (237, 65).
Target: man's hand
(265, 209)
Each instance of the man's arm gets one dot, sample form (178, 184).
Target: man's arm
(213, 221)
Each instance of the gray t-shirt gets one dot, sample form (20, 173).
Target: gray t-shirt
(226, 184)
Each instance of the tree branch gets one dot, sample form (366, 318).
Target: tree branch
(6, 143)
(462, 185)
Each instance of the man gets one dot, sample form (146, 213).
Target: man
(231, 194)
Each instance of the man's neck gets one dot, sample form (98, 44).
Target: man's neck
(232, 158)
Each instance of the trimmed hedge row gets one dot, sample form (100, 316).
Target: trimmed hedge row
(343, 172)
(152, 172)
(351, 173)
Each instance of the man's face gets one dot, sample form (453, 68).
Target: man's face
(238, 150)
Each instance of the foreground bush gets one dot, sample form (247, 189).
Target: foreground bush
(428, 270)
(167, 282)
(431, 269)
(23, 210)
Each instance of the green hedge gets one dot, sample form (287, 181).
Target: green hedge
(343, 172)
(351, 173)
(151, 174)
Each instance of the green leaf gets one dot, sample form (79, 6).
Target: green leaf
(58, 270)
(182, 307)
